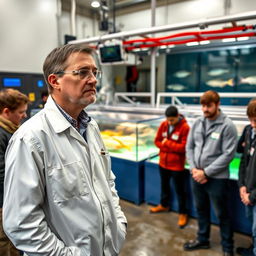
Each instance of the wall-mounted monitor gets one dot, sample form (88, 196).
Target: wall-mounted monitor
(111, 53)
(12, 82)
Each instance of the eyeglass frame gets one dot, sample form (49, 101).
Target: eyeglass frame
(78, 72)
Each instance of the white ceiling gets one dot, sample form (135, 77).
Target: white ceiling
(83, 7)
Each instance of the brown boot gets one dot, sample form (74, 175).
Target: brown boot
(159, 208)
(183, 220)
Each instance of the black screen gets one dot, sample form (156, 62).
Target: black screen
(110, 53)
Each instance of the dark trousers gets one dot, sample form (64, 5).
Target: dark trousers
(216, 191)
(178, 178)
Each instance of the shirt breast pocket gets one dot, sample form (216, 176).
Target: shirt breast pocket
(105, 160)
(68, 181)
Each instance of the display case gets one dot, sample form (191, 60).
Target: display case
(128, 135)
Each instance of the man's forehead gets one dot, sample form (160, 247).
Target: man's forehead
(76, 57)
(209, 104)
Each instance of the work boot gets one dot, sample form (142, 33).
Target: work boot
(228, 254)
(183, 220)
(195, 245)
(245, 251)
(159, 208)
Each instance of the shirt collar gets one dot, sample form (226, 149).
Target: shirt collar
(82, 119)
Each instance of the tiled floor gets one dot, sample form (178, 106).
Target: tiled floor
(158, 234)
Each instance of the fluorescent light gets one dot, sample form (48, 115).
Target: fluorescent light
(204, 42)
(243, 38)
(136, 50)
(192, 43)
(227, 40)
(95, 4)
(167, 46)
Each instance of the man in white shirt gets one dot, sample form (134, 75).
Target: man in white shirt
(60, 196)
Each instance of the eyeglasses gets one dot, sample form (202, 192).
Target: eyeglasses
(82, 73)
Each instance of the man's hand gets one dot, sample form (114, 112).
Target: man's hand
(245, 199)
(199, 176)
(163, 141)
(242, 191)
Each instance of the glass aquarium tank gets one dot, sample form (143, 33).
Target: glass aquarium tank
(128, 135)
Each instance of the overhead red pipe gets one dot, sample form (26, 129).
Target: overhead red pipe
(195, 33)
(199, 39)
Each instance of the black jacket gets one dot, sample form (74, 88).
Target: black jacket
(247, 169)
(4, 139)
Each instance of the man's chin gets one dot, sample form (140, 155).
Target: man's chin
(89, 100)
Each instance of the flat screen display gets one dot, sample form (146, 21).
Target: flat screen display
(110, 53)
(11, 82)
(40, 83)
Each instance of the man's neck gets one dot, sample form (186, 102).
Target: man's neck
(70, 109)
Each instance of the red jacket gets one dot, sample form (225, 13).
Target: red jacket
(172, 151)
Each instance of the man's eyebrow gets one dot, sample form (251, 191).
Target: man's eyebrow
(88, 67)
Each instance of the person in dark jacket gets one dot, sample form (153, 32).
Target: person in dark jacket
(171, 139)
(13, 107)
(247, 175)
(210, 148)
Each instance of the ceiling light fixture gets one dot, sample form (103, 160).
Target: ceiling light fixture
(228, 40)
(243, 38)
(192, 44)
(95, 4)
(204, 42)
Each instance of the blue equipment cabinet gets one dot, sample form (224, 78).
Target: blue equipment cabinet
(153, 190)
(129, 179)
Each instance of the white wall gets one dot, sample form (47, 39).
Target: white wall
(85, 27)
(28, 28)
(184, 12)
(28, 32)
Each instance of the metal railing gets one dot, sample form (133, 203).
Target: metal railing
(125, 96)
(175, 96)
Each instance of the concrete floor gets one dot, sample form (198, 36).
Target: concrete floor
(158, 234)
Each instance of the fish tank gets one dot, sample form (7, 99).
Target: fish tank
(223, 69)
(128, 135)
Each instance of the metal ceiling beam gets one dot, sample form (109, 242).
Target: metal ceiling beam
(203, 23)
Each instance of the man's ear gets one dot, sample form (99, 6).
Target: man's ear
(6, 112)
(54, 81)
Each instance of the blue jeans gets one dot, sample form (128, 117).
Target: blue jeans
(215, 191)
(251, 215)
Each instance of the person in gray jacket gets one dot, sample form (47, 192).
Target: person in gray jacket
(60, 197)
(211, 146)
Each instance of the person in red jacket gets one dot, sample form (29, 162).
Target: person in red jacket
(171, 139)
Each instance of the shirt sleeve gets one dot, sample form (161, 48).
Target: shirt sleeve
(24, 220)
(190, 148)
(178, 146)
